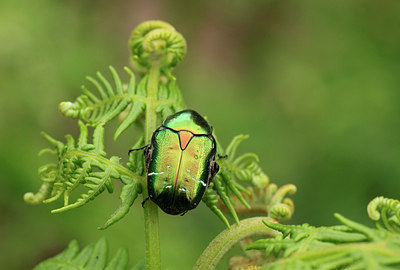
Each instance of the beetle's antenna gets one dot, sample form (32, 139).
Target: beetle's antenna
(139, 148)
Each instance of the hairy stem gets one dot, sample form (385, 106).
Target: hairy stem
(229, 237)
(152, 237)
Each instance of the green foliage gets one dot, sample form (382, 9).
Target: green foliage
(386, 213)
(98, 110)
(83, 171)
(260, 196)
(347, 246)
(91, 257)
(129, 100)
(83, 167)
(226, 184)
(226, 239)
(270, 201)
(86, 164)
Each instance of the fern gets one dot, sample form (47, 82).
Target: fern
(84, 164)
(91, 257)
(386, 213)
(131, 100)
(237, 199)
(156, 38)
(156, 48)
(241, 187)
(347, 246)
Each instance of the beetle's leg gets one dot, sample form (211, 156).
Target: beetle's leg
(183, 213)
(222, 156)
(214, 169)
(145, 200)
(147, 156)
(139, 148)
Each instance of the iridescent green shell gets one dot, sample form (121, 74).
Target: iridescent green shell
(180, 162)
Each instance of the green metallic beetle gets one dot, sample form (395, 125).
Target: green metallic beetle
(180, 162)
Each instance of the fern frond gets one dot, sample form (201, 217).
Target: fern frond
(348, 246)
(112, 101)
(224, 196)
(156, 40)
(211, 200)
(109, 102)
(259, 197)
(93, 256)
(128, 195)
(84, 164)
(387, 211)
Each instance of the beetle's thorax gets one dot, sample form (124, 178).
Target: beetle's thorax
(188, 120)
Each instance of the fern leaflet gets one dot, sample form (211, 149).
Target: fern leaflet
(347, 246)
(84, 164)
(93, 256)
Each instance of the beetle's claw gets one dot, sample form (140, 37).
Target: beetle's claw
(222, 156)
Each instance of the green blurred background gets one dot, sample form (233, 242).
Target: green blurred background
(316, 84)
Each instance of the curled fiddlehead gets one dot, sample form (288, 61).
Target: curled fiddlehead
(387, 211)
(156, 40)
(270, 201)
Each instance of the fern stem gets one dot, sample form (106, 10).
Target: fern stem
(152, 237)
(229, 237)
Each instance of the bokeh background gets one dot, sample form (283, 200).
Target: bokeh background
(316, 84)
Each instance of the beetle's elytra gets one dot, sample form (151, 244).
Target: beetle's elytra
(180, 162)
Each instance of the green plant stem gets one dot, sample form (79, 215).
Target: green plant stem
(225, 240)
(152, 237)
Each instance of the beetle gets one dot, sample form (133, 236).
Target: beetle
(180, 162)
